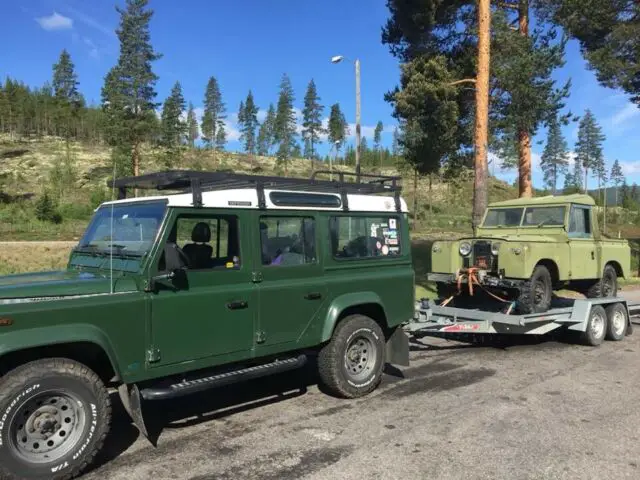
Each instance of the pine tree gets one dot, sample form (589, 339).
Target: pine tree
(248, 121)
(285, 123)
(172, 125)
(221, 136)
(214, 112)
(577, 176)
(589, 146)
(555, 156)
(129, 90)
(377, 138)
(311, 120)
(265, 132)
(625, 195)
(338, 127)
(192, 126)
(395, 143)
(67, 97)
(617, 177)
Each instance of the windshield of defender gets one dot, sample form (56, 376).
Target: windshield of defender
(127, 229)
(503, 217)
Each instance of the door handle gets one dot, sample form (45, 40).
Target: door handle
(237, 305)
(313, 296)
(593, 255)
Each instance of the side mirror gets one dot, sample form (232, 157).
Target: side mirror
(174, 280)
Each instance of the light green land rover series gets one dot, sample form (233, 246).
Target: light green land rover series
(528, 247)
(231, 278)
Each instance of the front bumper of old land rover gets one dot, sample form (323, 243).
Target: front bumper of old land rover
(490, 261)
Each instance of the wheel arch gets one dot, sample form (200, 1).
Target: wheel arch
(617, 267)
(552, 267)
(364, 303)
(82, 343)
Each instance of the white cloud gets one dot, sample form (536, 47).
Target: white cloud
(91, 22)
(93, 49)
(626, 113)
(630, 168)
(55, 22)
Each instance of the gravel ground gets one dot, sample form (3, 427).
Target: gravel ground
(551, 410)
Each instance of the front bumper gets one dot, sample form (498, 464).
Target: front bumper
(487, 279)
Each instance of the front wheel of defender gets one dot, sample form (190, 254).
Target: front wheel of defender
(351, 364)
(54, 416)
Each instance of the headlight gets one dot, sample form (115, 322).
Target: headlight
(465, 249)
(495, 248)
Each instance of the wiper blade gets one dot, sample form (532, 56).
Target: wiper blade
(118, 253)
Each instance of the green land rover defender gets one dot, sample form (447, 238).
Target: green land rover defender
(528, 247)
(231, 278)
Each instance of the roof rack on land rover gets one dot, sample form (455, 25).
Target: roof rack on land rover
(199, 181)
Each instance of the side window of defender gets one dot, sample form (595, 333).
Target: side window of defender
(580, 222)
(287, 241)
(208, 242)
(355, 236)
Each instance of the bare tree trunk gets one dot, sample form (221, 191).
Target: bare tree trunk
(480, 195)
(430, 193)
(415, 198)
(524, 138)
(135, 159)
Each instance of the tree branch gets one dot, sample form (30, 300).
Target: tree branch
(512, 6)
(464, 80)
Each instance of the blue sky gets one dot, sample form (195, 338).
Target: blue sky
(249, 44)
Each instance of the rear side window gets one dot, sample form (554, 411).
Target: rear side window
(364, 236)
(287, 241)
(580, 222)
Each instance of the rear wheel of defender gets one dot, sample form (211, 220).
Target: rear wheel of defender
(351, 364)
(54, 416)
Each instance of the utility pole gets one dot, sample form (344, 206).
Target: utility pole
(357, 119)
(481, 131)
(524, 138)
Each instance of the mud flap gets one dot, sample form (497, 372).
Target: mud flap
(397, 348)
(130, 397)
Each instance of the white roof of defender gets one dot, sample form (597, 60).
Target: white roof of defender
(248, 198)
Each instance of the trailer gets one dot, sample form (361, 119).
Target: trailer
(591, 320)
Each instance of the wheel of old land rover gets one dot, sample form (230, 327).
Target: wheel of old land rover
(351, 364)
(607, 286)
(535, 294)
(54, 416)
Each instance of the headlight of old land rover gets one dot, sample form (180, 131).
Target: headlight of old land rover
(465, 249)
(495, 248)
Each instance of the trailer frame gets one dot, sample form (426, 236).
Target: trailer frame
(442, 321)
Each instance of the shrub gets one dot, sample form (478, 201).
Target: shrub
(46, 210)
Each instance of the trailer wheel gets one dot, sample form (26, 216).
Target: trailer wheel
(535, 294)
(351, 364)
(617, 322)
(596, 327)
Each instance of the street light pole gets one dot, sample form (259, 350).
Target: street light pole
(357, 120)
(338, 59)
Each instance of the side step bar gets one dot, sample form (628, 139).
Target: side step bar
(186, 387)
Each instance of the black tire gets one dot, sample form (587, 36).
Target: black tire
(607, 286)
(536, 293)
(54, 416)
(617, 322)
(596, 327)
(445, 290)
(351, 364)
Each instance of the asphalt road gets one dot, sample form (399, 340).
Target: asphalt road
(551, 410)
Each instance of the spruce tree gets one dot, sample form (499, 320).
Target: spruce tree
(248, 121)
(192, 126)
(67, 97)
(377, 138)
(311, 120)
(617, 177)
(589, 147)
(129, 91)
(555, 156)
(172, 126)
(266, 132)
(285, 123)
(577, 176)
(338, 127)
(221, 136)
(214, 112)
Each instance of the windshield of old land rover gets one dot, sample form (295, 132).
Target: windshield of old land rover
(128, 229)
(503, 217)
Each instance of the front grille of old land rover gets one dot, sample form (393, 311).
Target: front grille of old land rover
(482, 256)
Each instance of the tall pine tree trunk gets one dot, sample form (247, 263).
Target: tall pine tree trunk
(480, 195)
(524, 138)
(415, 198)
(586, 178)
(135, 160)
